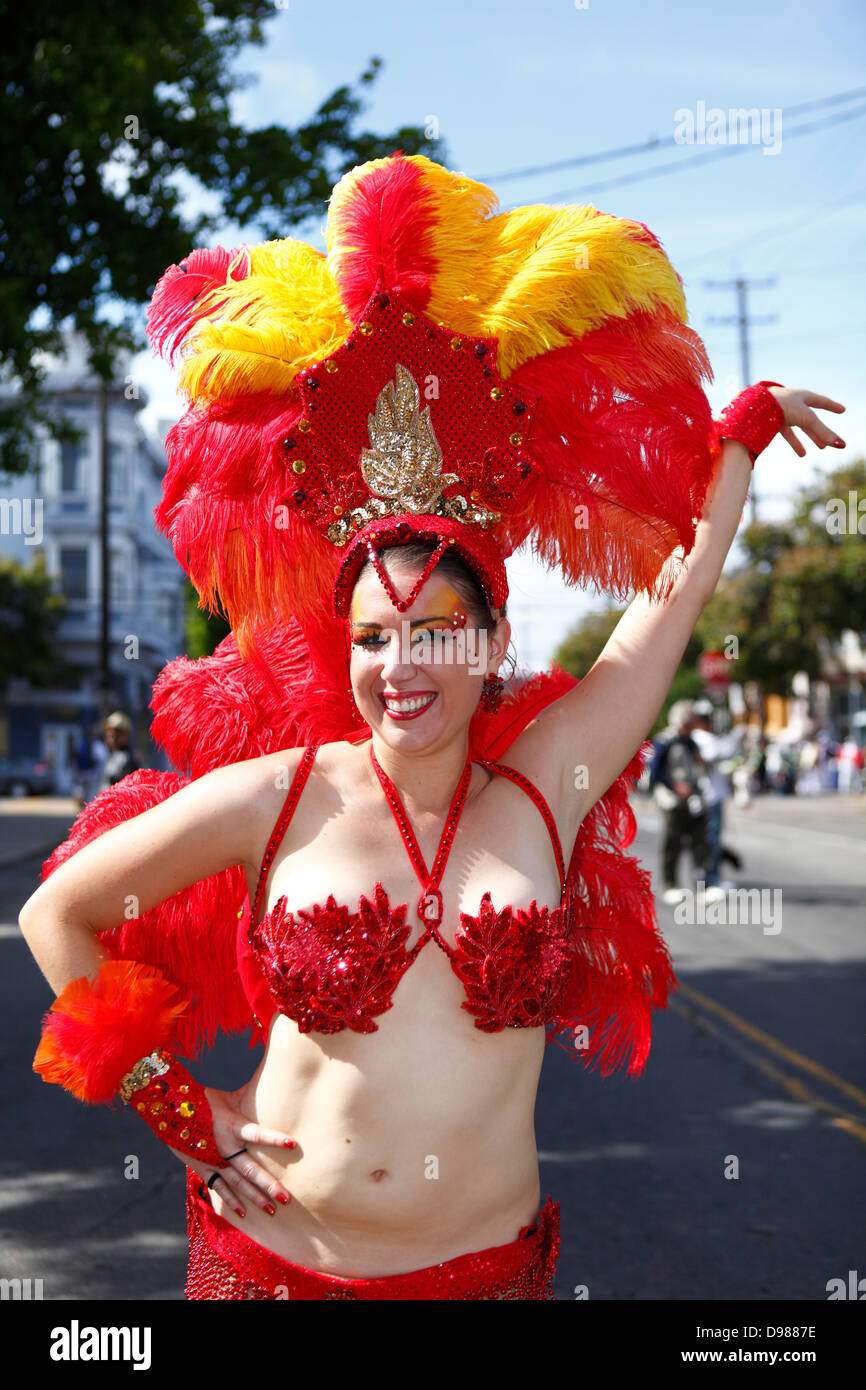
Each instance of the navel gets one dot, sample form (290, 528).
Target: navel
(378, 1174)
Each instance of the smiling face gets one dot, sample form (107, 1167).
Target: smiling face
(417, 676)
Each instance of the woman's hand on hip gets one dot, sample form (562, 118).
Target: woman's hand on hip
(244, 1178)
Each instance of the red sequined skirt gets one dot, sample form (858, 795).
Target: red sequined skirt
(225, 1263)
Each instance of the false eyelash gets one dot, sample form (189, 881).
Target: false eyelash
(374, 640)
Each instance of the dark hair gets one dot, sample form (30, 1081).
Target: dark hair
(451, 564)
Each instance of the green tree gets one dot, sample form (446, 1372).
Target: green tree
(582, 645)
(30, 611)
(105, 108)
(203, 630)
(803, 584)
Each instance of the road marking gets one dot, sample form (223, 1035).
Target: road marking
(773, 1045)
(796, 1088)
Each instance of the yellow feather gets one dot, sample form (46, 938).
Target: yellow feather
(576, 266)
(261, 331)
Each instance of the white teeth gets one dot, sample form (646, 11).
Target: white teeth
(403, 706)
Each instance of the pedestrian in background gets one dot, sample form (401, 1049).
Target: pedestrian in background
(715, 786)
(121, 759)
(675, 777)
(850, 763)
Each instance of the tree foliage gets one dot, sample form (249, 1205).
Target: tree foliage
(109, 113)
(203, 629)
(30, 611)
(581, 647)
(802, 583)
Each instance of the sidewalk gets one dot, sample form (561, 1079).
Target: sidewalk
(829, 812)
(33, 825)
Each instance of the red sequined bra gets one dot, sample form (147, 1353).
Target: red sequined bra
(330, 968)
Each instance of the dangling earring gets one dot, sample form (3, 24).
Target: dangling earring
(491, 692)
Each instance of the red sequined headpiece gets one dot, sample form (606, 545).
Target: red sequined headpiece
(371, 467)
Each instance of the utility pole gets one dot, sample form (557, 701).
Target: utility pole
(104, 563)
(743, 321)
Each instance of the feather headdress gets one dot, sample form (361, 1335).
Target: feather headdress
(512, 377)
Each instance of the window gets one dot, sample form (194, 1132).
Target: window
(117, 474)
(73, 571)
(119, 576)
(168, 609)
(70, 467)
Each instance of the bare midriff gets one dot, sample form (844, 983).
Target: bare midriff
(415, 1143)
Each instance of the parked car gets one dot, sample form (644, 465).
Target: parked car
(24, 777)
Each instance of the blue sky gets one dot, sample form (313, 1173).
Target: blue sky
(514, 86)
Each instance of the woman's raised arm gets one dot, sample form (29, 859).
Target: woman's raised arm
(586, 738)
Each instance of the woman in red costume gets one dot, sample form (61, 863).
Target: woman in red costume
(406, 880)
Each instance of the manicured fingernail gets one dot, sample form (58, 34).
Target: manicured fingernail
(289, 1144)
(272, 1211)
(284, 1198)
(239, 1212)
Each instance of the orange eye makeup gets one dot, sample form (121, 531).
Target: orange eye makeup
(447, 613)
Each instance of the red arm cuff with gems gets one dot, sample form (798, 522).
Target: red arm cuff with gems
(174, 1105)
(753, 418)
(108, 1037)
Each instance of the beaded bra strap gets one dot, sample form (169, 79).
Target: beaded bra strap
(282, 825)
(429, 907)
(533, 792)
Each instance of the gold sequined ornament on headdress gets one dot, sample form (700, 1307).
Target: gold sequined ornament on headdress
(405, 462)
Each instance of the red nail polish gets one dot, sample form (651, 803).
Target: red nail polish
(272, 1211)
(289, 1144)
(281, 1197)
(239, 1212)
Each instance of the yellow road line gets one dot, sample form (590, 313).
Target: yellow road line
(792, 1084)
(773, 1045)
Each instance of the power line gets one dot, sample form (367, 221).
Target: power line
(653, 143)
(676, 166)
(786, 227)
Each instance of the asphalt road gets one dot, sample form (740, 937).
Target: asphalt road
(758, 1066)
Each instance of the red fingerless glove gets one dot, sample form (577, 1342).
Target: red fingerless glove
(174, 1105)
(108, 1038)
(753, 419)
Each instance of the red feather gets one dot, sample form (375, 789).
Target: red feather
(621, 441)
(172, 311)
(622, 969)
(388, 224)
(190, 936)
(93, 1036)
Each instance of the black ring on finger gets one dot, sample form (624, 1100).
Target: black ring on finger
(228, 1156)
(213, 1177)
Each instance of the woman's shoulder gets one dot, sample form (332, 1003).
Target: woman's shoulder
(264, 782)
